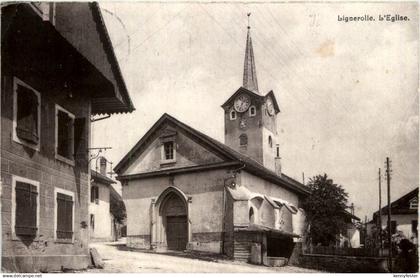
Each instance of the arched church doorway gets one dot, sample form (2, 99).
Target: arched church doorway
(175, 221)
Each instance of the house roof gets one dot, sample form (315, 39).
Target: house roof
(250, 165)
(401, 205)
(350, 215)
(98, 177)
(64, 55)
(100, 105)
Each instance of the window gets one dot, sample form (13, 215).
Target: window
(252, 111)
(92, 222)
(94, 194)
(393, 226)
(64, 134)
(414, 203)
(243, 140)
(270, 141)
(168, 151)
(26, 114)
(25, 207)
(232, 115)
(251, 216)
(414, 224)
(64, 210)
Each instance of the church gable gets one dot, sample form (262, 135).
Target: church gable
(170, 148)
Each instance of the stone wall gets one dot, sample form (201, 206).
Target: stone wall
(342, 264)
(42, 166)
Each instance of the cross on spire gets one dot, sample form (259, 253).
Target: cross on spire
(250, 73)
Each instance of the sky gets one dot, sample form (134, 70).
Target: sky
(348, 92)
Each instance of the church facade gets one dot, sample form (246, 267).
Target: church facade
(184, 190)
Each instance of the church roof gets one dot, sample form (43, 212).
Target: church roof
(250, 165)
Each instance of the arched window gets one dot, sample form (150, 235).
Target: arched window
(243, 140)
(251, 216)
(232, 115)
(252, 111)
(270, 141)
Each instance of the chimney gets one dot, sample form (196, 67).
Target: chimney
(277, 161)
(102, 166)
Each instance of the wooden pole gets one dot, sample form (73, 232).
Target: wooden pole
(380, 213)
(388, 181)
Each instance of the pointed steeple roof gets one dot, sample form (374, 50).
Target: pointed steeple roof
(250, 73)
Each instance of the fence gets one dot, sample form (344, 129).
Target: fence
(343, 251)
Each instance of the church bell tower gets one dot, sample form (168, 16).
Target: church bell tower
(251, 117)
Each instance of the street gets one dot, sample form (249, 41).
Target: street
(117, 261)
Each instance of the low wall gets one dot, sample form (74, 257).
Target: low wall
(342, 264)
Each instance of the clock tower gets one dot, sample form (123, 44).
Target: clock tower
(251, 117)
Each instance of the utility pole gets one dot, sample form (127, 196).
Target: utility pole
(303, 178)
(380, 212)
(388, 181)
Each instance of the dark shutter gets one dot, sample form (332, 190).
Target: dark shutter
(79, 138)
(26, 208)
(27, 115)
(65, 134)
(92, 194)
(97, 194)
(64, 216)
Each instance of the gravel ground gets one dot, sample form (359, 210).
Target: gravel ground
(119, 259)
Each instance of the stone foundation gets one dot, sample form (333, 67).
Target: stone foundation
(31, 264)
(139, 241)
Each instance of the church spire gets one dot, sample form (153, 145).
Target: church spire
(250, 73)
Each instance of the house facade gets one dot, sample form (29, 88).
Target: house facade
(58, 69)
(184, 190)
(404, 215)
(104, 203)
(101, 220)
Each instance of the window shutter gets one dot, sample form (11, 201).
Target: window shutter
(97, 194)
(79, 138)
(69, 218)
(26, 209)
(64, 216)
(65, 135)
(27, 115)
(92, 194)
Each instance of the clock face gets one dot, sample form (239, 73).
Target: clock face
(242, 103)
(270, 106)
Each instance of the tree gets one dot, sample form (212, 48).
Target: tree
(117, 209)
(325, 210)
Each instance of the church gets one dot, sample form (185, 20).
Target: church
(184, 190)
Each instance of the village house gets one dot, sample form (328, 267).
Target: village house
(404, 216)
(350, 232)
(104, 199)
(184, 190)
(58, 69)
